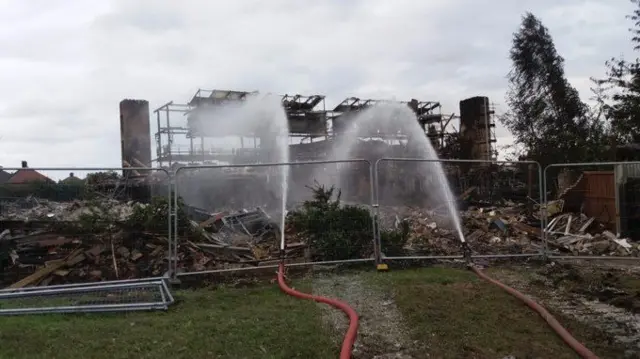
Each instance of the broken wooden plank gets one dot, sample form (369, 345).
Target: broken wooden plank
(45, 271)
(216, 246)
(586, 225)
(523, 227)
(567, 229)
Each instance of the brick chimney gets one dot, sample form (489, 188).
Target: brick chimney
(24, 164)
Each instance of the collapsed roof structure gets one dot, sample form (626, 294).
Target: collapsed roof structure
(183, 136)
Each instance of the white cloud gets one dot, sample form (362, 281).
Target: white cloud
(66, 64)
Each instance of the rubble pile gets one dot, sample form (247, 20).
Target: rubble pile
(513, 228)
(234, 240)
(46, 243)
(581, 235)
(34, 209)
(487, 230)
(42, 257)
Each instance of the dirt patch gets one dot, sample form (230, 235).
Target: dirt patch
(616, 286)
(382, 333)
(600, 296)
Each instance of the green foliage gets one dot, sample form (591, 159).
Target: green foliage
(97, 178)
(621, 95)
(46, 190)
(335, 231)
(393, 242)
(547, 117)
(153, 217)
(62, 191)
(97, 218)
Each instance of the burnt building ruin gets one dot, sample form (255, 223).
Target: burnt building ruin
(181, 136)
(186, 135)
(477, 129)
(135, 140)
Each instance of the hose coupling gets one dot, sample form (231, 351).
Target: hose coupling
(466, 252)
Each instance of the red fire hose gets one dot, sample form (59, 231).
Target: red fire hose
(352, 332)
(555, 325)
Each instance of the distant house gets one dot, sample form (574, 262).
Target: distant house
(72, 179)
(26, 175)
(4, 176)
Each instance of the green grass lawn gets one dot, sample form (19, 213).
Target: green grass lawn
(257, 322)
(457, 315)
(452, 312)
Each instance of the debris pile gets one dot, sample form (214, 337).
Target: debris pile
(34, 209)
(46, 243)
(228, 240)
(581, 235)
(487, 230)
(505, 230)
(41, 257)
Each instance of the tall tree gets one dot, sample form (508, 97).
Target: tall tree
(623, 89)
(546, 116)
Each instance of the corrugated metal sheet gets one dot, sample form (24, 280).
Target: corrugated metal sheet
(627, 171)
(600, 196)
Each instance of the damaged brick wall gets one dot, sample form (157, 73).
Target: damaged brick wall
(474, 120)
(135, 133)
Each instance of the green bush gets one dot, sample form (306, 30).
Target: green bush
(45, 190)
(337, 232)
(154, 216)
(393, 241)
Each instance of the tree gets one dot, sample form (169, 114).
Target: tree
(546, 116)
(622, 87)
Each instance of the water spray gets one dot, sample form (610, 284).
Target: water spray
(283, 220)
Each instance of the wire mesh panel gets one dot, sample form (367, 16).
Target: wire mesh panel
(114, 296)
(593, 209)
(230, 218)
(79, 225)
(329, 211)
(426, 207)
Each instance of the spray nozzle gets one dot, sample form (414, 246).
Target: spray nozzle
(466, 252)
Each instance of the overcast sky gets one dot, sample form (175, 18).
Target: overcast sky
(65, 65)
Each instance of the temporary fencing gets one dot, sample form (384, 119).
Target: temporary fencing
(74, 244)
(228, 217)
(498, 204)
(592, 210)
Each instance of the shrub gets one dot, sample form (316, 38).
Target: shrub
(153, 217)
(393, 241)
(337, 232)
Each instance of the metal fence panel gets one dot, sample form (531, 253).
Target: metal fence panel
(113, 296)
(592, 210)
(229, 216)
(64, 226)
(497, 203)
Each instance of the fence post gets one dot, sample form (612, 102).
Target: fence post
(374, 215)
(173, 252)
(544, 215)
(380, 265)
